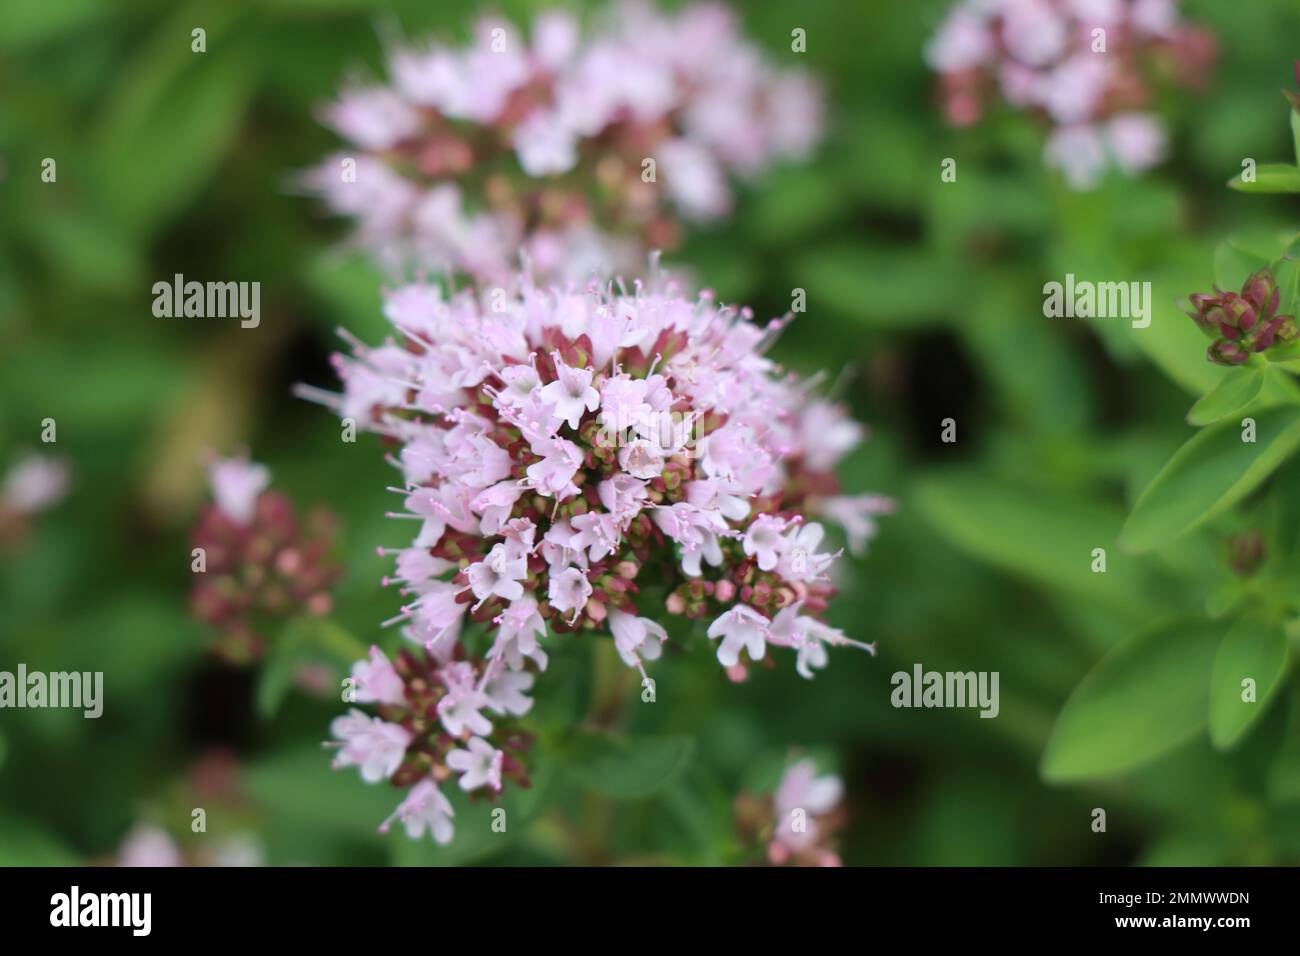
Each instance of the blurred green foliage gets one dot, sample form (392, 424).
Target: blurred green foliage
(928, 294)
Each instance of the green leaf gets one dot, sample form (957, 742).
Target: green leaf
(25, 842)
(172, 119)
(1251, 649)
(1284, 775)
(1233, 264)
(1143, 699)
(1287, 273)
(1208, 474)
(298, 788)
(1044, 536)
(29, 22)
(1270, 178)
(1264, 243)
(87, 249)
(1235, 390)
(889, 288)
(304, 640)
(632, 766)
(701, 809)
(1042, 380)
(1282, 541)
(1220, 602)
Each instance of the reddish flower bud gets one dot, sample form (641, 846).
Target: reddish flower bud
(1261, 291)
(1245, 552)
(1245, 322)
(258, 562)
(1240, 314)
(1224, 352)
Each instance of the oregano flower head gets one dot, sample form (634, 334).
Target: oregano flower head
(577, 152)
(256, 561)
(1088, 68)
(583, 461)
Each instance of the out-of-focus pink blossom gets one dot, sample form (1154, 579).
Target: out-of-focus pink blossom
(801, 802)
(236, 485)
(1088, 68)
(35, 483)
(148, 845)
(476, 152)
(255, 560)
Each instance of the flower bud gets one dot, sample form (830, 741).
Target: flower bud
(1207, 312)
(1245, 552)
(1224, 352)
(1245, 322)
(1240, 317)
(1261, 291)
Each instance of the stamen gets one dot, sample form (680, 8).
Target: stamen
(319, 396)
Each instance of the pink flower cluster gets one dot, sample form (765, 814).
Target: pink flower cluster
(1086, 66)
(565, 454)
(473, 157)
(1244, 323)
(256, 560)
(433, 724)
(796, 824)
(804, 808)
